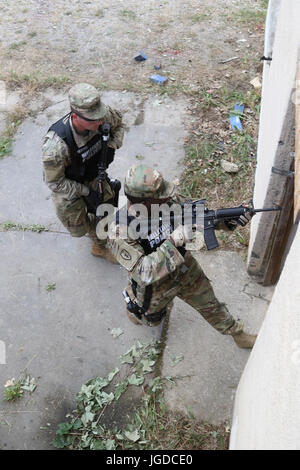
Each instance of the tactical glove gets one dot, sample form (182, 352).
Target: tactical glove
(110, 155)
(94, 199)
(242, 220)
(182, 235)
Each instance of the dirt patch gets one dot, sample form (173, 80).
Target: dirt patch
(98, 41)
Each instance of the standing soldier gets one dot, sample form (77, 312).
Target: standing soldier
(160, 271)
(71, 155)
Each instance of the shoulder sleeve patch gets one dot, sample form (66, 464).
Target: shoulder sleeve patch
(125, 254)
(128, 256)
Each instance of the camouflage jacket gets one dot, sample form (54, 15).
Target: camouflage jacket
(56, 156)
(162, 269)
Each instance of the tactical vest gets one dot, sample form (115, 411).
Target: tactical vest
(149, 243)
(84, 160)
(151, 240)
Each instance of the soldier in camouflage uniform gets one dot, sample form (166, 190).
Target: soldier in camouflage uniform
(71, 153)
(159, 273)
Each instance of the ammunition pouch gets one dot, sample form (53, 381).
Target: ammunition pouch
(152, 319)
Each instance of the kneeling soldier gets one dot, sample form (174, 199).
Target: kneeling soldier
(158, 272)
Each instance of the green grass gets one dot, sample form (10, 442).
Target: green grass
(203, 175)
(165, 430)
(50, 287)
(249, 16)
(207, 100)
(12, 226)
(5, 146)
(199, 17)
(203, 171)
(35, 80)
(173, 89)
(17, 45)
(127, 14)
(202, 168)
(264, 4)
(228, 98)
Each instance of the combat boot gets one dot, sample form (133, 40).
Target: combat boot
(133, 318)
(244, 340)
(103, 252)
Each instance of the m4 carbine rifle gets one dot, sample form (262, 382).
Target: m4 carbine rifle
(96, 198)
(102, 167)
(228, 214)
(199, 217)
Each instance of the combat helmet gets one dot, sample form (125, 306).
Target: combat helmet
(143, 182)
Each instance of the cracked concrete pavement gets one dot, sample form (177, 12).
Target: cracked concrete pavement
(63, 337)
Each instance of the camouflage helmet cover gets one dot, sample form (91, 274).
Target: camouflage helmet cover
(85, 100)
(145, 182)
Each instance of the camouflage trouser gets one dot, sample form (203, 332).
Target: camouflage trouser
(194, 288)
(74, 216)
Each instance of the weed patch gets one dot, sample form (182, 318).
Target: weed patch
(14, 389)
(12, 226)
(5, 146)
(149, 427)
(204, 176)
(34, 80)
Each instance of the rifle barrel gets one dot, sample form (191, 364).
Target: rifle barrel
(268, 209)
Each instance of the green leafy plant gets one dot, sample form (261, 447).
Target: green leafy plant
(86, 430)
(207, 100)
(15, 389)
(150, 425)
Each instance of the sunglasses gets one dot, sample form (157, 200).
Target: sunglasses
(84, 118)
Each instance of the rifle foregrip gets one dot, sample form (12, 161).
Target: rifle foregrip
(230, 212)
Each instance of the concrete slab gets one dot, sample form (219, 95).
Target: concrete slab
(62, 337)
(212, 366)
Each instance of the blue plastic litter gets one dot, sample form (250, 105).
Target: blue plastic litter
(140, 57)
(158, 79)
(235, 120)
(157, 67)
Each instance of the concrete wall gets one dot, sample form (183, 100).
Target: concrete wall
(276, 133)
(267, 405)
